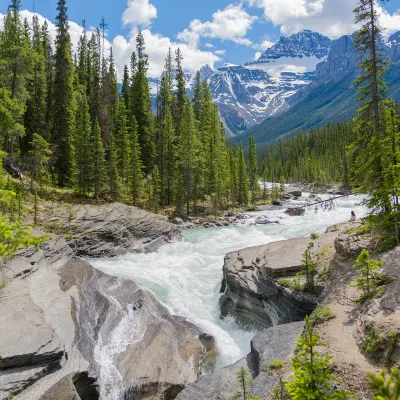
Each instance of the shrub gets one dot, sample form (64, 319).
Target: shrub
(312, 377)
(371, 341)
(244, 393)
(369, 279)
(276, 364)
(314, 236)
(321, 314)
(386, 386)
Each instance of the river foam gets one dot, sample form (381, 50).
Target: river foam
(186, 275)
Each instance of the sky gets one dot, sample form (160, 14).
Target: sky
(210, 32)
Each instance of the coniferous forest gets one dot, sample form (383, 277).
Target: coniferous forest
(74, 132)
(65, 123)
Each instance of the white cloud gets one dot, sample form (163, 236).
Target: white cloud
(139, 13)
(209, 46)
(257, 55)
(264, 45)
(232, 23)
(156, 47)
(390, 22)
(333, 18)
(219, 52)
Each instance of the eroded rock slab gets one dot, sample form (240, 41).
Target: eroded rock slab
(250, 289)
(274, 343)
(115, 229)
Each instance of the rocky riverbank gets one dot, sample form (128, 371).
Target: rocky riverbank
(69, 331)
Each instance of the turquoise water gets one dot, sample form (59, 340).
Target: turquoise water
(186, 275)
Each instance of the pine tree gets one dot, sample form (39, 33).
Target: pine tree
(141, 107)
(123, 144)
(114, 179)
(197, 93)
(180, 92)
(253, 170)
(311, 371)
(243, 179)
(188, 153)
(39, 156)
(35, 115)
(368, 281)
(386, 386)
(367, 149)
(125, 89)
(14, 69)
(99, 170)
(155, 190)
(136, 178)
(83, 146)
(63, 111)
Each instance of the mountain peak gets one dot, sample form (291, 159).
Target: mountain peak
(302, 44)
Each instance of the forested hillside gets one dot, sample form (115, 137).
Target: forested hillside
(332, 98)
(64, 124)
(317, 156)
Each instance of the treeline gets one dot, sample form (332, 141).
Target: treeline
(318, 156)
(63, 118)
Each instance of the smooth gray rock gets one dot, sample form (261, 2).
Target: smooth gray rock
(69, 331)
(250, 289)
(274, 343)
(295, 212)
(115, 229)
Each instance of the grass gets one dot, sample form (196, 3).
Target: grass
(321, 314)
(372, 340)
(276, 364)
(393, 343)
(314, 236)
(293, 283)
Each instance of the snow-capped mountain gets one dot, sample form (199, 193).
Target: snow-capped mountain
(248, 94)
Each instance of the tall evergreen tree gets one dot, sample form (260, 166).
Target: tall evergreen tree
(253, 170)
(243, 179)
(63, 111)
(188, 153)
(82, 144)
(136, 178)
(35, 116)
(99, 169)
(14, 68)
(141, 107)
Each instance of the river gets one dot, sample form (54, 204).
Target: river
(186, 275)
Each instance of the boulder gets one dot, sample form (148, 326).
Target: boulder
(263, 220)
(177, 221)
(277, 342)
(295, 193)
(251, 293)
(115, 229)
(69, 331)
(276, 203)
(295, 211)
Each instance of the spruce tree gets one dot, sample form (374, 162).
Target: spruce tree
(243, 179)
(141, 107)
(35, 115)
(39, 156)
(83, 145)
(99, 169)
(367, 149)
(123, 142)
(188, 153)
(63, 111)
(311, 371)
(137, 175)
(114, 180)
(14, 69)
(253, 170)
